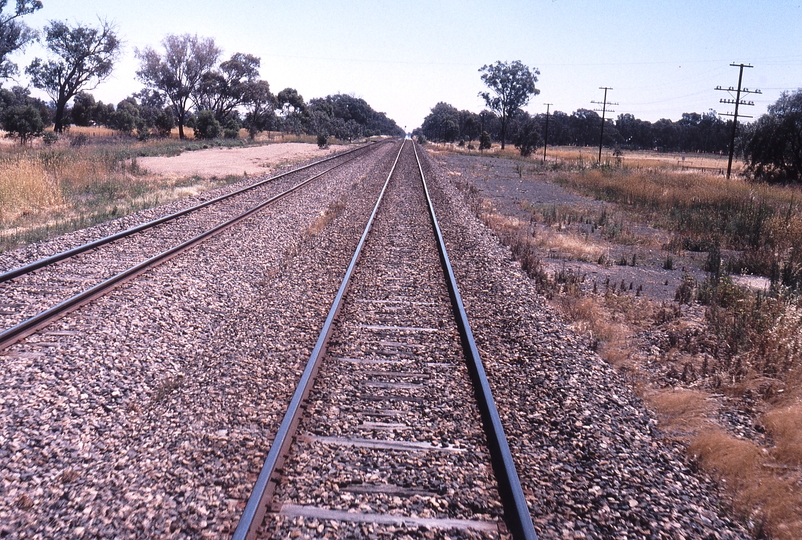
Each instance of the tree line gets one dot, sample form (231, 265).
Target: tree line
(186, 84)
(692, 133)
(771, 146)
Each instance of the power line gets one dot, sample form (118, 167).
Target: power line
(603, 111)
(737, 102)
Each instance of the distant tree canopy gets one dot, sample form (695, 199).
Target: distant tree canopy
(178, 73)
(774, 149)
(692, 133)
(511, 85)
(346, 118)
(14, 34)
(82, 57)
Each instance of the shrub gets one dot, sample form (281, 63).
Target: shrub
(229, 133)
(422, 139)
(206, 126)
(484, 141)
(165, 122)
(79, 140)
(49, 138)
(24, 122)
(322, 140)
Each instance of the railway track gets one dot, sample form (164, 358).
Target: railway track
(392, 429)
(39, 292)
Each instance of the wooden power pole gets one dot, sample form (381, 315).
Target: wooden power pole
(737, 101)
(603, 111)
(546, 138)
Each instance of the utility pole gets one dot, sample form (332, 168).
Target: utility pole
(546, 139)
(604, 112)
(737, 101)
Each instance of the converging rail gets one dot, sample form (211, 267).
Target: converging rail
(400, 430)
(46, 316)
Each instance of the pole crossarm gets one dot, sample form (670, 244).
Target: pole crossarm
(604, 111)
(737, 102)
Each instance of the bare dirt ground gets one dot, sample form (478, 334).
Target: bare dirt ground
(220, 162)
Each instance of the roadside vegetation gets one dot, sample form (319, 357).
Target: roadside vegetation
(721, 362)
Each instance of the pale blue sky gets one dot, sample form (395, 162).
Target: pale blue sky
(661, 58)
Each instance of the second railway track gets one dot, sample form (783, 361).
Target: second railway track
(40, 291)
(396, 438)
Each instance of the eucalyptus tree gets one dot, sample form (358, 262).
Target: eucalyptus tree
(178, 73)
(229, 87)
(14, 34)
(774, 150)
(81, 58)
(511, 85)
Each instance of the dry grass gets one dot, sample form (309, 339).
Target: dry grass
(328, 215)
(682, 411)
(642, 159)
(784, 425)
(763, 494)
(25, 187)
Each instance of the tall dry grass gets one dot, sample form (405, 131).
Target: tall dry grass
(26, 188)
(763, 495)
(762, 222)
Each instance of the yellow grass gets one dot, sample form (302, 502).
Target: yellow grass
(25, 187)
(642, 158)
(681, 409)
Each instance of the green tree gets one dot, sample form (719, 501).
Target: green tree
(774, 150)
(260, 106)
(484, 141)
(23, 121)
(232, 86)
(83, 107)
(126, 118)
(14, 34)
(442, 123)
(178, 73)
(84, 56)
(292, 109)
(511, 85)
(207, 126)
(526, 134)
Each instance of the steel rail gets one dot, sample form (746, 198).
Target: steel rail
(255, 509)
(47, 261)
(27, 327)
(516, 512)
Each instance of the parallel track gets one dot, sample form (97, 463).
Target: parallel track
(395, 418)
(60, 307)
